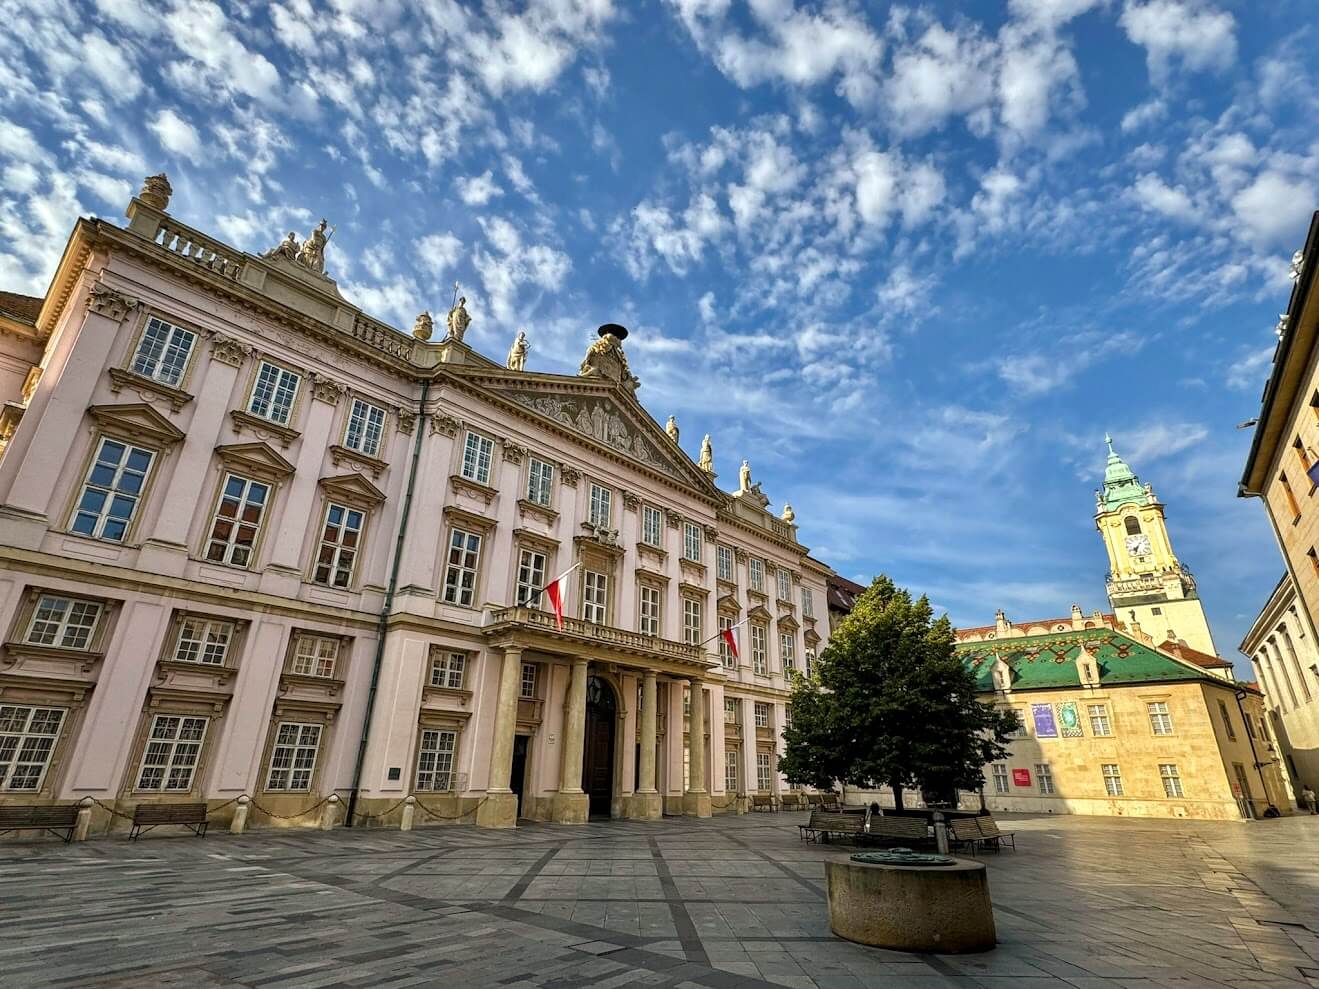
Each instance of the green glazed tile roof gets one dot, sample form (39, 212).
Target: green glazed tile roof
(1043, 661)
(1121, 485)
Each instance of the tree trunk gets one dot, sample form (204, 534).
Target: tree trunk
(897, 797)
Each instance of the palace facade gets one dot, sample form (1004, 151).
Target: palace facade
(260, 549)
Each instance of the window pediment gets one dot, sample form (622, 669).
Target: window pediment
(812, 638)
(728, 604)
(354, 489)
(258, 459)
(468, 520)
(531, 539)
(760, 613)
(788, 622)
(137, 422)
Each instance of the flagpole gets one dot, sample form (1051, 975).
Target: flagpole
(541, 590)
(723, 630)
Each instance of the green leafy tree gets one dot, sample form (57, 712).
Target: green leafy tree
(890, 704)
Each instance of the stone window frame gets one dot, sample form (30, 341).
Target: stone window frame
(212, 517)
(24, 735)
(594, 486)
(752, 583)
(124, 374)
(464, 524)
(238, 628)
(353, 399)
(90, 461)
(724, 554)
(303, 719)
(299, 392)
(438, 722)
(649, 510)
(524, 693)
(469, 435)
(692, 606)
(527, 490)
(439, 659)
(787, 651)
(764, 771)
(342, 656)
(1112, 780)
(1169, 773)
(1044, 779)
(762, 668)
(1105, 714)
(328, 502)
(732, 769)
(692, 539)
(654, 587)
(150, 717)
(21, 624)
(1153, 717)
(1001, 778)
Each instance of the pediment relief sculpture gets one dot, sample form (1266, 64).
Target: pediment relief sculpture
(137, 421)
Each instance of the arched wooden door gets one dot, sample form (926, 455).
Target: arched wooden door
(598, 757)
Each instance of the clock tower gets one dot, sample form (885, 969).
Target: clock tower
(1146, 582)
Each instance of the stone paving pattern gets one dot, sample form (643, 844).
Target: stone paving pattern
(736, 901)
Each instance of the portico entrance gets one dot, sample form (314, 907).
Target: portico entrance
(598, 754)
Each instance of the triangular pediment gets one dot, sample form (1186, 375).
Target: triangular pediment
(255, 458)
(138, 422)
(353, 488)
(602, 413)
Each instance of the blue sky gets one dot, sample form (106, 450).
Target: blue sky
(913, 262)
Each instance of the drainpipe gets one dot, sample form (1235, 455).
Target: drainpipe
(383, 622)
(1254, 756)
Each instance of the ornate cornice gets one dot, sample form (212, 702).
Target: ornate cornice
(107, 302)
(227, 350)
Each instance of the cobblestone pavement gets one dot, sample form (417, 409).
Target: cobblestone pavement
(1084, 902)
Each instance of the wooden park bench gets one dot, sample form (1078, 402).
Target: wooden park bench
(762, 801)
(980, 831)
(888, 827)
(991, 836)
(49, 817)
(148, 816)
(964, 831)
(824, 825)
(792, 801)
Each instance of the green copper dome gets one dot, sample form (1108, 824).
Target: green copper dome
(1121, 485)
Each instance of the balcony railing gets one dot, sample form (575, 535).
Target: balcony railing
(1148, 582)
(198, 248)
(619, 638)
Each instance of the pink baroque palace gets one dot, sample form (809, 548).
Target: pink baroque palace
(263, 551)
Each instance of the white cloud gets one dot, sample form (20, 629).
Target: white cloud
(216, 58)
(110, 67)
(108, 189)
(175, 134)
(1189, 32)
(1273, 209)
(16, 141)
(477, 190)
(1148, 112)
(1249, 372)
(512, 265)
(1156, 441)
(1153, 193)
(944, 73)
(678, 238)
(438, 253)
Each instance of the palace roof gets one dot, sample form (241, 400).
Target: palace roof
(23, 308)
(1044, 662)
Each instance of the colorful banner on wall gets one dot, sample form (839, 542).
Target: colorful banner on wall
(1045, 726)
(1021, 777)
(1070, 718)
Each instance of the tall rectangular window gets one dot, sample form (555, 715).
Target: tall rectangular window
(173, 750)
(725, 653)
(237, 521)
(531, 578)
(540, 482)
(723, 563)
(1290, 496)
(448, 669)
(1001, 784)
(1227, 721)
(731, 759)
(759, 649)
(1099, 723)
(761, 712)
(527, 688)
(691, 621)
(730, 711)
(315, 656)
(807, 603)
(162, 353)
(478, 454)
(460, 569)
(601, 503)
(810, 661)
(652, 526)
(650, 610)
(1044, 774)
(203, 640)
(366, 426)
(788, 650)
(758, 575)
(762, 772)
(1172, 780)
(27, 741)
(595, 597)
(1112, 779)
(785, 585)
(293, 758)
(1160, 719)
(62, 622)
(691, 541)
(273, 393)
(435, 761)
(340, 539)
(112, 490)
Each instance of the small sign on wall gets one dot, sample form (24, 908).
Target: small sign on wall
(1021, 777)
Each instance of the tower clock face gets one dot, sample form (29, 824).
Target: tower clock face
(1138, 545)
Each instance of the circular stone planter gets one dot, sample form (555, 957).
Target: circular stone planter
(940, 908)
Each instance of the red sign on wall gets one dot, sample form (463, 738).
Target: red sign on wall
(1021, 777)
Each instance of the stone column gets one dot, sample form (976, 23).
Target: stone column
(500, 806)
(571, 804)
(648, 805)
(696, 802)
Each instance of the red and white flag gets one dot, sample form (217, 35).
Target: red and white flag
(555, 590)
(731, 639)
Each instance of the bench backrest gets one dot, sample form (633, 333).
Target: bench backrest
(988, 827)
(40, 816)
(898, 827)
(762, 800)
(964, 828)
(169, 814)
(824, 821)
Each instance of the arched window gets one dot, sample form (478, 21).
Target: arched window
(1133, 526)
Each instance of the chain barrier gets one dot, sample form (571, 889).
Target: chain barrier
(450, 817)
(289, 817)
(728, 802)
(363, 818)
(126, 817)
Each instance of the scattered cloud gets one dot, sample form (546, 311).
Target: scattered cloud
(175, 134)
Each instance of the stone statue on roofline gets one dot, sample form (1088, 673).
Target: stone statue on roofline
(605, 358)
(424, 326)
(458, 320)
(517, 354)
(312, 253)
(671, 427)
(286, 249)
(156, 191)
(744, 476)
(707, 455)
(788, 515)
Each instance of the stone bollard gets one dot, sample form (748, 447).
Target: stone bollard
(239, 823)
(409, 809)
(940, 833)
(84, 824)
(329, 812)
